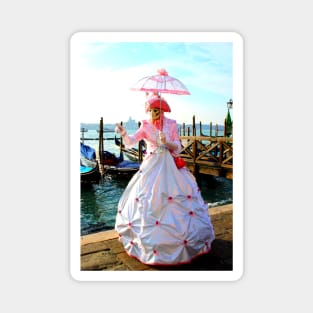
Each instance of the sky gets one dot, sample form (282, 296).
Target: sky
(104, 68)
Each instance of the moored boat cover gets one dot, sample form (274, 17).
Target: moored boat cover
(87, 151)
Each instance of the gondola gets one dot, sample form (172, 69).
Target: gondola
(117, 166)
(124, 169)
(89, 166)
(131, 153)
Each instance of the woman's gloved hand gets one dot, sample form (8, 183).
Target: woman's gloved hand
(171, 146)
(120, 129)
(162, 138)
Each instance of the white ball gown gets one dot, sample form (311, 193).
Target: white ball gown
(162, 218)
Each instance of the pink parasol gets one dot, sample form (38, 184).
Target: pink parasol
(161, 83)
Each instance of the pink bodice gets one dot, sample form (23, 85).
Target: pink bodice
(150, 134)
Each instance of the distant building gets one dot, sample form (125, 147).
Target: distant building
(131, 124)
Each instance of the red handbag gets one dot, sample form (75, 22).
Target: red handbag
(179, 162)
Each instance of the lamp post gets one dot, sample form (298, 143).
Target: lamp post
(228, 121)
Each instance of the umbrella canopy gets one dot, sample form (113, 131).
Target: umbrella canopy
(162, 83)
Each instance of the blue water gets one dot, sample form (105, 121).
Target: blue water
(98, 203)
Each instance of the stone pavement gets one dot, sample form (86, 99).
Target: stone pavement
(103, 252)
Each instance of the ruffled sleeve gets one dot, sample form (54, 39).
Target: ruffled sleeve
(131, 140)
(175, 137)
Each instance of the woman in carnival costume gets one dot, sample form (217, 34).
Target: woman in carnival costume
(162, 218)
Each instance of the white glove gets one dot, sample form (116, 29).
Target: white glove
(120, 129)
(162, 138)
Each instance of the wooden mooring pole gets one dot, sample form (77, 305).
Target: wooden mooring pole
(83, 130)
(101, 148)
(121, 141)
(139, 147)
(194, 150)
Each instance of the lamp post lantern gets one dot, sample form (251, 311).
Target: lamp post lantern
(230, 104)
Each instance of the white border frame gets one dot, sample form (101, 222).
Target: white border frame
(237, 271)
